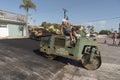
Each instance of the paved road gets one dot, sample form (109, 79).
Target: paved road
(20, 59)
(27, 44)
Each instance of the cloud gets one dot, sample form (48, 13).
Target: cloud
(90, 23)
(102, 23)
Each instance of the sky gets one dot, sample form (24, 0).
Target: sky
(103, 14)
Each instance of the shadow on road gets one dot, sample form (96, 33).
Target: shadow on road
(61, 59)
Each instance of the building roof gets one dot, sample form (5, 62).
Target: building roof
(6, 16)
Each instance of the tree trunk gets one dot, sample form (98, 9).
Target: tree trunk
(27, 34)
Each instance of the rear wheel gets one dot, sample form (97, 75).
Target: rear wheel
(91, 65)
(50, 56)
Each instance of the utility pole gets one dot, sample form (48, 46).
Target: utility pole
(119, 29)
(65, 13)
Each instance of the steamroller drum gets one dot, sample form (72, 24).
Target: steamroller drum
(91, 65)
(50, 56)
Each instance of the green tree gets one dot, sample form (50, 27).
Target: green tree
(47, 25)
(91, 28)
(106, 32)
(56, 26)
(27, 4)
(44, 24)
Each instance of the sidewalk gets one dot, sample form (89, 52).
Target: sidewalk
(109, 41)
(12, 37)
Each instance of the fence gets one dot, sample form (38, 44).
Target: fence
(9, 16)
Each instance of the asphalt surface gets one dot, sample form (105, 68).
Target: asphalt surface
(26, 44)
(20, 59)
(32, 46)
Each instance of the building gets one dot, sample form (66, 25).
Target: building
(12, 24)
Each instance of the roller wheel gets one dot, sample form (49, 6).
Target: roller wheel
(49, 56)
(91, 65)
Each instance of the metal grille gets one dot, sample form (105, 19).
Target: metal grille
(59, 42)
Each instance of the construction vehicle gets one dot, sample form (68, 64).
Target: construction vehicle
(37, 32)
(84, 49)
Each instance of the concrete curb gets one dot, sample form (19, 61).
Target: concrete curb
(12, 37)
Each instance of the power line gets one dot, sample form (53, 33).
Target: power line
(104, 19)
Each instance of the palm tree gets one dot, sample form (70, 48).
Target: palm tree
(27, 4)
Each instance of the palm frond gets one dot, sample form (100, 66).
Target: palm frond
(32, 6)
(21, 6)
(28, 4)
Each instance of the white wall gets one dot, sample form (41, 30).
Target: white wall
(3, 32)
